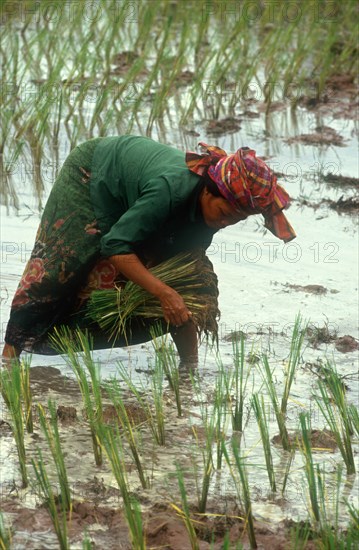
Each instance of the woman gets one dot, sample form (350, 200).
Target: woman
(120, 204)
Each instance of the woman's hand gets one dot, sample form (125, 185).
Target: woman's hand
(174, 309)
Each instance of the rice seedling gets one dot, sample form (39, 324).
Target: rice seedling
(287, 470)
(206, 450)
(260, 414)
(354, 415)
(71, 344)
(309, 467)
(128, 426)
(209, 424)
(280, 417)
(242, 489)
(157, 380)
(185, 513)
(237, 384)
(87, 543)
(337, 540)
(283, 54)
(114, 451)
(354, 514)
(337, 390)
(5, 535)
(337, 415)
(155, 417)
(52, 436)
(186, 273)
(328, 532)
(228, 545)
(297, 339)
(165, 354)
(11, 390)
(299, 535)
(59, 519)
(220, 414)
(26, 393)
(215, 428)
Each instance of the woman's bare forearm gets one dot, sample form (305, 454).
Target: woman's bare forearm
(132, 268)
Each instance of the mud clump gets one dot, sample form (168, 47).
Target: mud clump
(338, 100)
(311, 289)
(48, 378)
(66, 414)
(341, 181)
(323, 135)
(88, 513)
(346, 344)
(97, 490)
(350, 204)
(235, 335)
(185, 78)
(5, 428)
(135, 414)
(218, 127)
(320, 335)
(271, 107)
(249, 114)
(322, 440)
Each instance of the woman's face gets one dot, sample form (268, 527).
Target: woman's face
(218, 212)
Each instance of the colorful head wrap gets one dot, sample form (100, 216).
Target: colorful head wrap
(246, 182)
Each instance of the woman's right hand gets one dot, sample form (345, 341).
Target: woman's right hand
(174, 309)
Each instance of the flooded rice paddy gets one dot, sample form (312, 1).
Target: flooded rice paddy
(263, 286)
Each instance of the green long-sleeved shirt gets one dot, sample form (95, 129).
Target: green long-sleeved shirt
(145, 198)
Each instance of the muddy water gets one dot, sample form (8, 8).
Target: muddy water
(263, 285)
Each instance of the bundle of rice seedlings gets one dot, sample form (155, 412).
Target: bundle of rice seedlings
(189, 273)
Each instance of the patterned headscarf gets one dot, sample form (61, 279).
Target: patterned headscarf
(246, 182)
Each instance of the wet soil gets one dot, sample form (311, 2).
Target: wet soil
(100, 509)
(349, 205)
(343, 205)
(45, 380)
(323, 135)
(66, 413)
(321, 440)
(135, 414)
(235, 335)
(185, 78)
(223, 126)
(341, 181)
(273, 107)
(249, 114)
(311, 289)
(164, 527)
(123, 62)
(5, 428)
(346, 344)
(338, 100)
(320, 335)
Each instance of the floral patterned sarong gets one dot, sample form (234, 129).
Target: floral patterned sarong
(66, 248)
